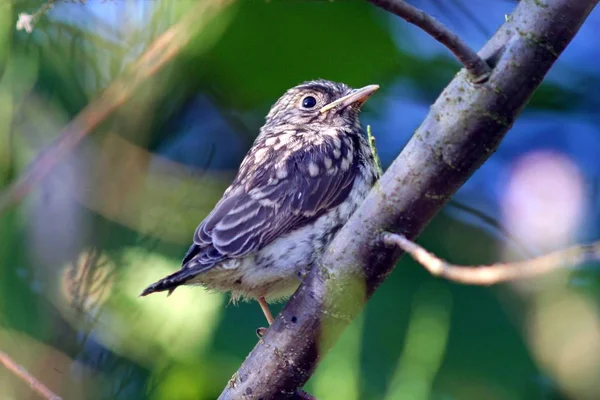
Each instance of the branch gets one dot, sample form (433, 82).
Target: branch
(464, 127)
(495, 273)
(22, 373)
(161, 51)
(475, 65)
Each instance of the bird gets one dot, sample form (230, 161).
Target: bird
(306, 173)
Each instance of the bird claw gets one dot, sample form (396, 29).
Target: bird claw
(260, 332)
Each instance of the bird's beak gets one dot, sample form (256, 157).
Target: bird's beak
(357, 96)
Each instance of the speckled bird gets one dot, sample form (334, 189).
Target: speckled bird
(306, 173)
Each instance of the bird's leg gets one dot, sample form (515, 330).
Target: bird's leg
(265, 308)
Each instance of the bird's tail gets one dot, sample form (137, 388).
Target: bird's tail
(191, 267)
(171, 282)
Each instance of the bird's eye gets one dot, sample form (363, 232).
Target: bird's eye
(309, 102)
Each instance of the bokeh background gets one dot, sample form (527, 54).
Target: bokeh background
(118, 213)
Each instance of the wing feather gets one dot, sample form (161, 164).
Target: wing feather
(262, 207)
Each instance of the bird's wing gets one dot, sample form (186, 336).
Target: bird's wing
(270, 197)
(271, 203)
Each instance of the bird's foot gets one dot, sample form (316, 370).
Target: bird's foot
(260, 332)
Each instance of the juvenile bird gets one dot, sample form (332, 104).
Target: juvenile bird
(306, 173)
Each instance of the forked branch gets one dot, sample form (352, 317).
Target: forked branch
(495, 273)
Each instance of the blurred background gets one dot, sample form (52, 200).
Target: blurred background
(119, 212)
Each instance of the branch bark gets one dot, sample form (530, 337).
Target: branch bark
(464, 127)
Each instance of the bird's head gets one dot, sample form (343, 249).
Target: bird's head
(320, 102)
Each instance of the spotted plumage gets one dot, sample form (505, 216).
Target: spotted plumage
(306, 173)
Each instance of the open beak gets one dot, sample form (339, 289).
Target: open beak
(357, 96)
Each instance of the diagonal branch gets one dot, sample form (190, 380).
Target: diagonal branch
(464, 127)
(161, 51)
(475, 65)
(495, 273)
(22, 373)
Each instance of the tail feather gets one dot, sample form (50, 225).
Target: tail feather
(169, 283)
(192, 266)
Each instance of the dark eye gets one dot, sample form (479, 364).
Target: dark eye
(309, 102)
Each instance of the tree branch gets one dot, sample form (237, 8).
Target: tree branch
(475, 65)
(464, 127)
(22, 373)
(495, 273)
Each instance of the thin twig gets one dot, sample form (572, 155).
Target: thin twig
(22, 373)
(495, 273)
(475, 65)
(161, 51)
